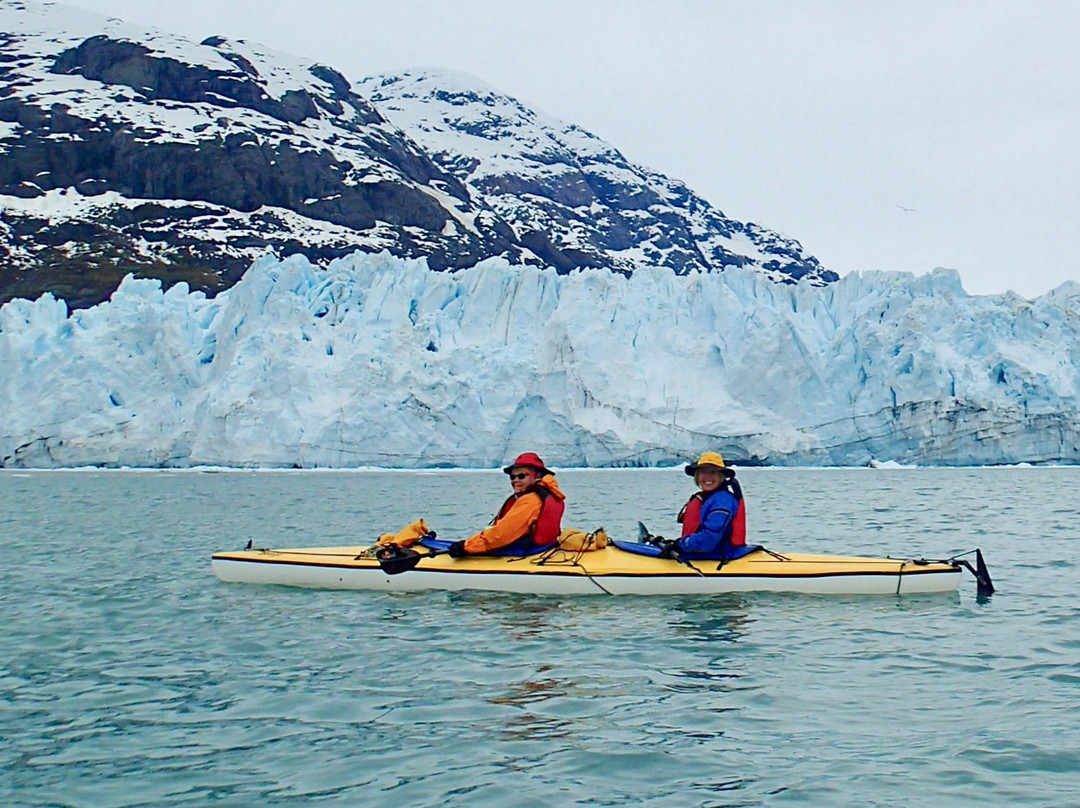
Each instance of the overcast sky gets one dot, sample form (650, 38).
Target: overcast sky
(882, 135)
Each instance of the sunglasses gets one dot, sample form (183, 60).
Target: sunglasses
(521, 476)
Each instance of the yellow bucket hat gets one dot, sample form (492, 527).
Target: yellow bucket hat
(710, 460)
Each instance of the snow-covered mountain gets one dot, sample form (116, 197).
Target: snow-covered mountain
(382, 361)
(124, 149)
(545, 177)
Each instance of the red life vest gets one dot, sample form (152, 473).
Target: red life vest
(690, 516)
(548, 525)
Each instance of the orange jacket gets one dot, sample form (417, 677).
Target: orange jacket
(516, 522)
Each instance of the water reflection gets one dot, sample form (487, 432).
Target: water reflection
(524, 725)
(529, 691)
(523, 617)
(717, 618)
(531, 727)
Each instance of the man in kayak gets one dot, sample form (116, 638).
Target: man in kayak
(714, 518)
(529, 519)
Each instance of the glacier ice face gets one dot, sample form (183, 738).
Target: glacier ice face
(378, 361)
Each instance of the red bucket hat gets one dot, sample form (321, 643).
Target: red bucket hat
(529, 460)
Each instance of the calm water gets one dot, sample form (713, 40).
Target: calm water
(130, 676)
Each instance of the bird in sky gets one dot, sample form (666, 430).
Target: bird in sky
(909, 210)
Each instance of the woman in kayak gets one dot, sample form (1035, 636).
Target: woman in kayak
(715, 517)
(530, 518)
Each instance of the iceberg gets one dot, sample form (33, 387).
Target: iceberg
(380, 361)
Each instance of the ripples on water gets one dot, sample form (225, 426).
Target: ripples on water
(132, 677)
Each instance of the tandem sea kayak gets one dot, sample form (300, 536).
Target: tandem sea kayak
(622, 568)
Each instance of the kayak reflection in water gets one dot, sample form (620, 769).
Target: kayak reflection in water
(530, 518)
(714, 519)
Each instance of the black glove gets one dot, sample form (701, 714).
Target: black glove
(667, 547)
(457, 550)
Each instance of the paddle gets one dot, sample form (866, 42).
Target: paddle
(395, 559)
(645, 537)
(643, 534)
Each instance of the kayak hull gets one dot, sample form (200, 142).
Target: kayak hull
(608, 571)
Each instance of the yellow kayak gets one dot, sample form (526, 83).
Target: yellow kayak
(611, 570)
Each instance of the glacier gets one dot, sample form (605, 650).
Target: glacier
(377, 361)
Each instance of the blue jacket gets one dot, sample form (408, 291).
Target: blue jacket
(713, 536)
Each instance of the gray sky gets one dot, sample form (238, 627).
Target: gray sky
(821, 119)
